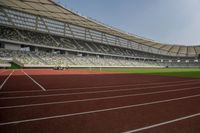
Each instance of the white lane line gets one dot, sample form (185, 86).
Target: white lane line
(98, 98)
(97, 111)
(34, 81)
(163, 123)
(6, 80)
(108, 86)
(95, 92)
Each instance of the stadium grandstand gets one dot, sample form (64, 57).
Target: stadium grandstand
(42, 33)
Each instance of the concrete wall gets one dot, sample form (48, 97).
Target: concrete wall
(12, 46)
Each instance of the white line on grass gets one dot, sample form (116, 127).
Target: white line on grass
(97, 111)
(95, 92)
(107, 86)
(6, 80)
(163, 123)
(34, 81)
(98, 98)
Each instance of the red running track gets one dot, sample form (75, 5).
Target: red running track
(92, 102)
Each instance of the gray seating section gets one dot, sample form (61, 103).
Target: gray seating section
(81, 53)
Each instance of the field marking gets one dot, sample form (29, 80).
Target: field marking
(97, 111)
(95, 92)
(6, 80)
(163, 123)
(34, 81)
(109, 86)
(98, 98)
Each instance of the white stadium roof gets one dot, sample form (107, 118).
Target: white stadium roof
(49, 9)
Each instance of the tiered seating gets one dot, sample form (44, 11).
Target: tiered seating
(4, 63)
(98, 61)
(127, 62)
(55, 59)
(80, 60)
(28, 59)
(63, 42)
(10, 34)
(108, 55)
(23, 57)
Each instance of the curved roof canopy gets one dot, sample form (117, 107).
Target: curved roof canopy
(50, 9)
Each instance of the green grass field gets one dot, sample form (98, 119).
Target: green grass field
(180, 72)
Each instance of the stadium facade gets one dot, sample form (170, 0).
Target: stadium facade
(41, 33)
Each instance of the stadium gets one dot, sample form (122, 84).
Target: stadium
(110, 80)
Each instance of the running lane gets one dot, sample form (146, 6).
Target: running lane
(62, 80)
(89, 105)
(20, 82)
(110, 121)
(187, 124)
(3, 75)
(68, 96)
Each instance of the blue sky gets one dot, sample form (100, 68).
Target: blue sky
(167, 21)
